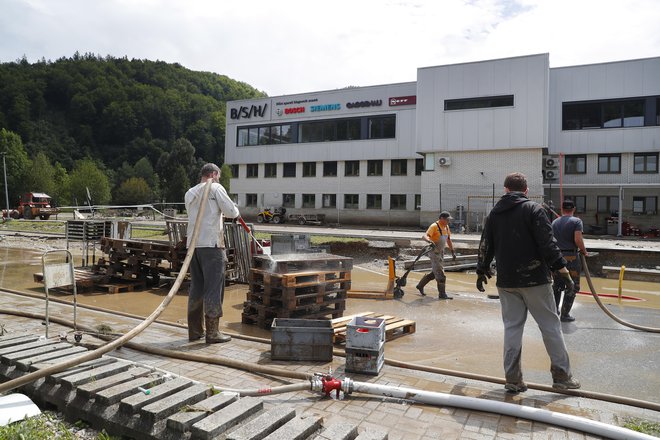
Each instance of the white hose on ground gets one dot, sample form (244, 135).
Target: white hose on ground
(508, 409)
(301, 386)
(605, 309)
(91, 355)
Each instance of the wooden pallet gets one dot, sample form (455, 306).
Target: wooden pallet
(263, 316)
(291, 263)
(85, 279)
(123, 287)
(395, 327)
(297, 279)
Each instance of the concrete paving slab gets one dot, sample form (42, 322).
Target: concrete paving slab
(373, 434)
(297, 429)
(89, 389)
(26, 363)
(219, 422)
(85, 366)
(263, 425)
(338, 431)
(132, 404)
(26, 346)
(8, 341)
(181, 422)
(11, 358)
(93, 374)
(169, 405)
(117, 392)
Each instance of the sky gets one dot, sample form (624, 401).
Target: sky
(296, 46)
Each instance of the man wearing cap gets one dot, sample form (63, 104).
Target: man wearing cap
(438, 236)
(567, 230)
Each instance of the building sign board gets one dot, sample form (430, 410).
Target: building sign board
(403, 100)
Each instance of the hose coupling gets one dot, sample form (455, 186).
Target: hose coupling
(326, 383)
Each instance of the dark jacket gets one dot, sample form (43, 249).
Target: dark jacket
(519, 235)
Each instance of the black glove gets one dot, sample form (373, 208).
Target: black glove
(482, 278)
(568, 282)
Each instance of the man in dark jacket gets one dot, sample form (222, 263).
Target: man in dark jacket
(518, 234)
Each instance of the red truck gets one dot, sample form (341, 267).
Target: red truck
(33, 205)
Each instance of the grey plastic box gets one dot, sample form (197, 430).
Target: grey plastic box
(365, 361)
(364, 332)
(301, 340)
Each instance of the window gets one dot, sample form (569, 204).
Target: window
(645, 205)
(580, 203)
(608, 204)
(646, 163)
(351, 201)
(352, 168)
(609, 164)
(398, 201)
(603, 114)
(419, 167)
(418, 202)
(270, 170)
(575, 164)
(234, 170)
(374, 201)
(482, 102)
(234, 197)
(309, 169)
(329, 200)
(348, 130)
(289, 200)
(330, 169)
(382, 127)
(264, 135)
(399, 167)
(289, 169)
(250, 200)
(309, 201)
(252, 170)
(374, 168)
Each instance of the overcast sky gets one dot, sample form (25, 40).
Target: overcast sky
(296, 46)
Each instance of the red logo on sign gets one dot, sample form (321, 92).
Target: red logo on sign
(291, 110)
(403, 100)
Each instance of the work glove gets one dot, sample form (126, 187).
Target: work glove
(568, 281)
(482, 278)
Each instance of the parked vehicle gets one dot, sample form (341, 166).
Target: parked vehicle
(275, 215)
(34, 205)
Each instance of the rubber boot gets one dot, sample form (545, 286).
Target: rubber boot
(423, 282)
(213, 335)
(442, 294)
(566, 308)
(195, 327)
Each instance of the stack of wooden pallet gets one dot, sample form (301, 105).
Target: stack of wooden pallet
(303, 286)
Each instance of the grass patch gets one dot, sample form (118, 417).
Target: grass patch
(34, 226)
(643, 426)
(46, 427)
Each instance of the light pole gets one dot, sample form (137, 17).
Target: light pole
(4, 168)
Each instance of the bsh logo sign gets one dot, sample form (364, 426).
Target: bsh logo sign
(247, 112)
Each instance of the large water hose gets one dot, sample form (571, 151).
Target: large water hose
(605, 309)
(95, 354)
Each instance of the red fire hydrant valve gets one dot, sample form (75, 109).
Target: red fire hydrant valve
(330, 384)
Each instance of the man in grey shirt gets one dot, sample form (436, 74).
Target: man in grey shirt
(567, 230)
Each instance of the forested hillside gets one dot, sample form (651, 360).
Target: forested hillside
(140, 127)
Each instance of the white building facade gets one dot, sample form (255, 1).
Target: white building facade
(398, 154)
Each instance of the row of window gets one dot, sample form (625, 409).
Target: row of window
(643, 163)
(327, 130)
(642, 205)
(351, 201)
(614, 113)
(481, 102)
(398, 167)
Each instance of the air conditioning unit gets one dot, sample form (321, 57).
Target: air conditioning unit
(550, 162)
(444, 161)
(550, 174)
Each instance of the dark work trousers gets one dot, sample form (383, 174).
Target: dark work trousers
(207, 287)
(574, 266)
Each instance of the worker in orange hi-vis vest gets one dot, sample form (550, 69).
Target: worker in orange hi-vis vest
(439, 236)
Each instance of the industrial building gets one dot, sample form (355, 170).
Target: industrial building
(398, 154)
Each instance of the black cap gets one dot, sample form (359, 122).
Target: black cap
(568, 204)
(445, 215)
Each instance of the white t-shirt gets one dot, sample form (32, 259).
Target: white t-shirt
(218, 203)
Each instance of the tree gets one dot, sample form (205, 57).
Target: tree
(134, 191)
(86, 175)
(17, 163)
(225, 176)
(40, 175)
(62, 182)
(144, 170)
(177, 186)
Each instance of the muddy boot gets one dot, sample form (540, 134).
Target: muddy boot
(423, 282)
(566, 308)
(195, 327)
(441, 291)
(213, 335)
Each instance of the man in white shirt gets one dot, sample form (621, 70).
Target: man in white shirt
(207, 267)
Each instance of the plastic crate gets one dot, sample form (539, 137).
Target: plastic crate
(301, 340)
(363, 361)
(364, 332)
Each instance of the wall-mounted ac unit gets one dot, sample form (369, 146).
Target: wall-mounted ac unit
(444, 161)
(551, 174)
(550, 162)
